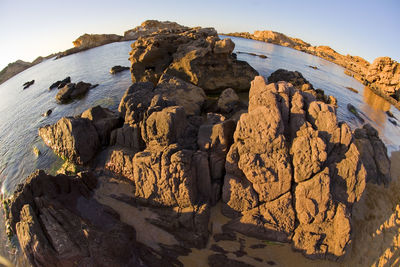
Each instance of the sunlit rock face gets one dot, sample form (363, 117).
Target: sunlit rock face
(195, 55)
(293, 172)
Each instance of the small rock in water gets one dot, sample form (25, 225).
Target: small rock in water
(353, 110)
(27, 84)
(390, 114)
(393, 122)
(60, 84)
(47, 113)
(117, 69)
(313, 67)
(352, 89)
(36, 151)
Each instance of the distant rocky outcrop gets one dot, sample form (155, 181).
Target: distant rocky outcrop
(19, 66)
(293, 172)
(197, 56)
(382, 76)
(384, 73)
(88, 41)
(149, 27)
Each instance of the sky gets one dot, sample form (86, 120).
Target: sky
(369, 29)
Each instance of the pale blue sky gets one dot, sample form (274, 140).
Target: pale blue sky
(363, 28)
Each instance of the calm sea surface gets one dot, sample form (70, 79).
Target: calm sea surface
(20, 110)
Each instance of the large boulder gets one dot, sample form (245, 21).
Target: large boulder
(77, 139)
(384, 73)
(184, 94)
(293, 172)
(74, 139)
(195, 55)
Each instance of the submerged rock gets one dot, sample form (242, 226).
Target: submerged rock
(117, 69)
(292, 161)
(28, 84)
(195, 55)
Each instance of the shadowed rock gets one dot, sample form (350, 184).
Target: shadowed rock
(373, 154)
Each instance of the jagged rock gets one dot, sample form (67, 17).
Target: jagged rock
(75, 139)
(384, 73)
(299, 82)
(373, 154)
(228, 101)
(190, 56)
(57, 84)
(215, 138)
(135, 102)
(117, 69)
(292, 161)
(184, 94)
(128, 136)
(104, 120)
(59, 223)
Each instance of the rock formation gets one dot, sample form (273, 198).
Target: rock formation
(373, 154)
(293, 172)
(60, 84)
(18, 66)
(299, 82)
(196, 55)
(72, 91)
(88, 41)
(384, 73)
(150, 27)
(77, 139)
(285, 168)
(59, 223)
(117, 69)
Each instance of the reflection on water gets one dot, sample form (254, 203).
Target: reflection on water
(375, 107)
